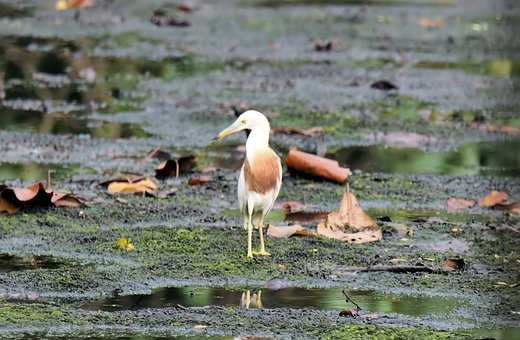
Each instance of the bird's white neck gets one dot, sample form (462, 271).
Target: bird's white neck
(258, 139)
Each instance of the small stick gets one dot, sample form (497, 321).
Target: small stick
(177, 170)
(349, 299)
(49, 178)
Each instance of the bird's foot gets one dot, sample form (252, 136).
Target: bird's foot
(261, 253)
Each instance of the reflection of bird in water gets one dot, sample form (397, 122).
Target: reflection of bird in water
(247, 301)
(261, 175)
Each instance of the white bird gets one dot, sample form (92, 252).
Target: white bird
(260, 177)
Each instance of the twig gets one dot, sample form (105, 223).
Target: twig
(349, 299)
(392, 269)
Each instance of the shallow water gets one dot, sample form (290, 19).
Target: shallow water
(485, 158)
(327, 299)
(36, 171)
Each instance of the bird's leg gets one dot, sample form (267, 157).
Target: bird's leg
(262, 251)
(249, 237)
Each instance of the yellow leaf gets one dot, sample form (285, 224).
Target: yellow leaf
(142, 186)
(125, 244)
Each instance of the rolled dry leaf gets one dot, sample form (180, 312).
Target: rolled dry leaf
(456, 203)
(288, 231)
(142, 186)
(452, 264)
(7, 207)
(493, 198)
(316, 166)
(199, 180)
(65, 200)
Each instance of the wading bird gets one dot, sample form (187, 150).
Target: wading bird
(260, 177)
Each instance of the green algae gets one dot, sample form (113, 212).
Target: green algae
(390, 333)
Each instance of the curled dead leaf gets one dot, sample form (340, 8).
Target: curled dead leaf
(296, 131)
(511, 208)
(428, 23)
(453, 264)
(493, 198)
(142, 186)
(8, 207)
(506, 129)
(199, 180)
(65, 200)
(350, 223)
(161, 18)
(63, 5)
(456, 203)
(349, 313)
(316, 166)
(290, 206)
(288, 231)
(324, 46)
(384, 85)
(175, 167)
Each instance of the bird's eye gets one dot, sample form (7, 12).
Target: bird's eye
(243, 122)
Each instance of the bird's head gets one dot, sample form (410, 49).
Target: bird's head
(248, 120)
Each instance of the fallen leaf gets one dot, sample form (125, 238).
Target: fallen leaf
(296, 131)
(142, 186)
(288, 231)
(199, 180)
(317, 166)
(175, 167)
(324, 46)
(453, 264)
(512, 208)
(33, 195)
(125, 244)
(493, 198)
(7, 207)
(456, 203)
(63, 5)
(349, 313)
(384, 85)
(65, 200)
(161, 18)
(350, 217)
(156, 153)
(428, 23)
(509, 130)
(289, 207)
(185, 7)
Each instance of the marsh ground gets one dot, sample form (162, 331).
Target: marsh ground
(90, 92)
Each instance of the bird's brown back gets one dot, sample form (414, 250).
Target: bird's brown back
(262, 172)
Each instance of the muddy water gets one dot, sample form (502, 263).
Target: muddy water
(327, 299)
(9, 263)
(484, 158)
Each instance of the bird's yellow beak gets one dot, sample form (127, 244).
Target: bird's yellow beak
(233, 128)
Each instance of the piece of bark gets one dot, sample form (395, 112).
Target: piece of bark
(316, 166)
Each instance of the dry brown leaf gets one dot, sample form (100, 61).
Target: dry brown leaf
(512, 208)
(457, 203)
(453, 264)
(493, 198)
(199, 180)
(175, 167)
(143, 186)
(296, 131)
(288, 231)
(317, 166)
(305, 218)
(289, 207)
(65, 200)
(509, 130)
(431, 23)
(364, 236)
(324, 46)
(7, 207)
(350, 217)
(63, 5)
(349, 313)
(350, 214)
